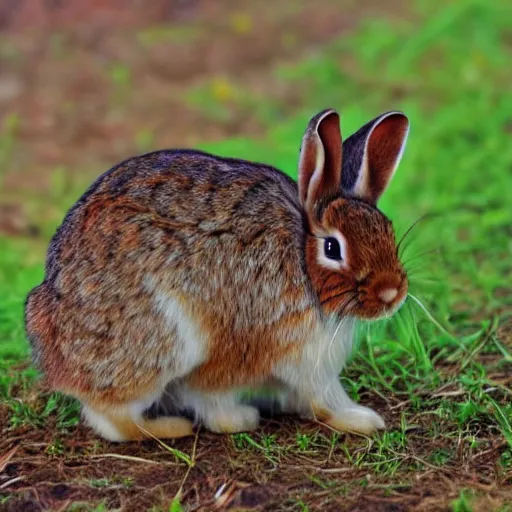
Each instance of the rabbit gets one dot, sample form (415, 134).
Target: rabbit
(186, 274)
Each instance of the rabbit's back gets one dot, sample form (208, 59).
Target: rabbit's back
(212, 221)
(222, 238)
(187, 196)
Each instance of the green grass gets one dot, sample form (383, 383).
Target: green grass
(440, 363)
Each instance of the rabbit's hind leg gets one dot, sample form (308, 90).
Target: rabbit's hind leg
(122, 424)
(279, 400)
(220, 412)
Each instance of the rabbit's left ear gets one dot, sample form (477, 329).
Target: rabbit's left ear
(372, 154)
(320, 160)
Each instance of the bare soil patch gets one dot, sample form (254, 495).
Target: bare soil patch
(50, 470)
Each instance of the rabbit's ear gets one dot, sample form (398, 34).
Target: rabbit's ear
(372, 154)
(320, 159)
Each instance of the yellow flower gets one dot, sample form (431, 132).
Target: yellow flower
(240, 23)
(222, 90)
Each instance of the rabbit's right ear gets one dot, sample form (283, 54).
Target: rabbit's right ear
(372, 155)
(320, 160)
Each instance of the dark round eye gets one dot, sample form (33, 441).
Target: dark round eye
(332, 249)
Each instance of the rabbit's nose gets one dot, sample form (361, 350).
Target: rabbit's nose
(388, 295)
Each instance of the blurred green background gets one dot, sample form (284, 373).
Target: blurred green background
(82, 88)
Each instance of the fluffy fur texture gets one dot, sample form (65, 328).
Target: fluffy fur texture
(186, 277)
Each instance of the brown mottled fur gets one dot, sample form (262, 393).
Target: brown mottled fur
(229, 247)
(247, 359)
(93, 298)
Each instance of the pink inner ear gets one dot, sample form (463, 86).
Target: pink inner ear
(322, 138)
(306, 167)
(330, 135)
(383, 150)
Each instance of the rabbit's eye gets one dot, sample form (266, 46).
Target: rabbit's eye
(332, 249)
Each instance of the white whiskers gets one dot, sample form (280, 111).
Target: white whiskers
(431, 318)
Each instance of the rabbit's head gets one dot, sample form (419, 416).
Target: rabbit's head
(351, 253)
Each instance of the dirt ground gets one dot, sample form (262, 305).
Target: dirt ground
(48, 472)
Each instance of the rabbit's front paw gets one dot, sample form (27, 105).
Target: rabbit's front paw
(355, 418)
(236, 419)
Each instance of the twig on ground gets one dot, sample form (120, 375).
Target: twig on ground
(11, 481)
(131, 458)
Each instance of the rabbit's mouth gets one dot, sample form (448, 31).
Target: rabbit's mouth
(376, 313)
(382, 298)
